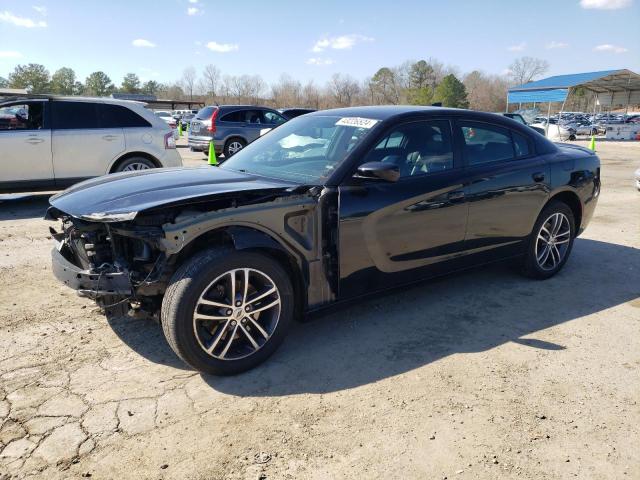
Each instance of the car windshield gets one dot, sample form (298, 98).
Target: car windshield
(205, 113)
(304, 150)
(163, 114)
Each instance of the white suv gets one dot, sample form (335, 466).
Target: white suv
(53, 142)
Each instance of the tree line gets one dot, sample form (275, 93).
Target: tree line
(422, 82)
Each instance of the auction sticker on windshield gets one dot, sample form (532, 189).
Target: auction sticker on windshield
(356, 122)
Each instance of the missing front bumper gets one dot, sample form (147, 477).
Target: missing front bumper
(88, 283)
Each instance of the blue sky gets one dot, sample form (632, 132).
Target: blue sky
(312, 40)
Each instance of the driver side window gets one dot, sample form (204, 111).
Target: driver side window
(417, 148)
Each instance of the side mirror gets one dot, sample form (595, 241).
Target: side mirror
(388, 172)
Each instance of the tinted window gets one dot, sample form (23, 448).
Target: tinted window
(486, 143)
(205, 113)
(237, 116)
(74, 115)
(273, 118)
(117, 116)
(417, 148)
(521, 145)
(25, 116)
(254, 116)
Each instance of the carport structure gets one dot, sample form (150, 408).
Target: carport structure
(608, 87)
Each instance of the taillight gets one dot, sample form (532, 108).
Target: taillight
(212, 128)
(169, 141)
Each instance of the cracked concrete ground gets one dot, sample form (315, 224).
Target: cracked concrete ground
(479, 375)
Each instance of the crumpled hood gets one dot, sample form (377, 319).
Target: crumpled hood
(120, 196)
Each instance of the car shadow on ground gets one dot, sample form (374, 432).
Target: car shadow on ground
(393, 334)
(21, 206)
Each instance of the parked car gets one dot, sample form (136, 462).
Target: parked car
(555, 131)
(185, 120)
(519, 118)
(230, 127)
(290, 113)
(167, 117)
(583, 128)
(51, 142)
(325, 209)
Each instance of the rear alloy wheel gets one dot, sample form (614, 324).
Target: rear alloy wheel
(551, 241)
(225, 312)
(134, 164)
(233, 146)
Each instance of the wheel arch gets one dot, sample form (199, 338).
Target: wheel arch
(116, 163)
(572, 200)
(243, 238)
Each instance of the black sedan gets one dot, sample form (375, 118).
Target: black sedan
(327, 208)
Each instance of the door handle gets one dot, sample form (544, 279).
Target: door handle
(456, 195)
(108, 138)
(538, 177)
(34, 140)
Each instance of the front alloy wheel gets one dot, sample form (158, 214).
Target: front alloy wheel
(226, 311)
(236, 314)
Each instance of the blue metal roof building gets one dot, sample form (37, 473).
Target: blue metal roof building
(610, 87)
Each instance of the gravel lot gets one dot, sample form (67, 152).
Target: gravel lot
(480, 375)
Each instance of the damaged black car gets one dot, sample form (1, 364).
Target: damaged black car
(329, 207)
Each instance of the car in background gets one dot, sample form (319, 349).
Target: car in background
(167, 117)
(230, 127)
(555, 131)
(323, 210)
(583, 128)
(52, 142)
(290, 113)
(185, 120)
(519, 118)
(637, 175)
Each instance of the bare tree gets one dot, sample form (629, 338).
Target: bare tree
(486, 92)
(344, 89)
(287, 92)
(189, 81)
(311, 95)
(526, 69)
(210, 80)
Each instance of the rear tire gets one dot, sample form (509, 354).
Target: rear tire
(550, 241)
(204, 315)
(134, 164)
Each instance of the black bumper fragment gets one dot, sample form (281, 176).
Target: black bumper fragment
(88, 283)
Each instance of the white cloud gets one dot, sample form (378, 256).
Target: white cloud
(507, 71)
(517, 48)
(319, 61)
(607, 47)
(340, 43)
(10, 54)
(193, 1)
(193, 11)
(21, 21)
(553, 44)
(223, 47)
(41, 10)
(605, 4)
(141, 42)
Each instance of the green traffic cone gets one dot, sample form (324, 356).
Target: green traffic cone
(592, 143)
(179, 128)
(212, 154)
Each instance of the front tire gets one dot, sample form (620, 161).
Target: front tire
(233, 146)
(550, 242)
(225, 311)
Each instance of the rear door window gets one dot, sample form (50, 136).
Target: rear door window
(74, 115)
(521, 145)
(118, 116)
(239, 116)
(485, 143)
(23, 116)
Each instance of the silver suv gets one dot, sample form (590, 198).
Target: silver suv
(50, 142)
(230, 127)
